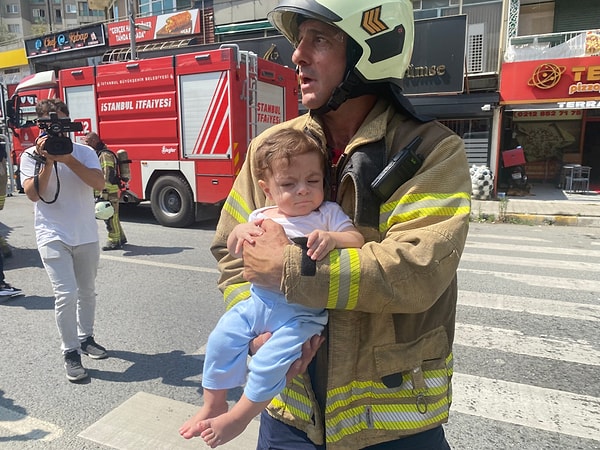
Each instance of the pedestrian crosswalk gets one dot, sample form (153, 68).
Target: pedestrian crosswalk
(528, 313)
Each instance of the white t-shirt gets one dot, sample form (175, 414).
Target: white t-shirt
(71, 218)
(329, 217)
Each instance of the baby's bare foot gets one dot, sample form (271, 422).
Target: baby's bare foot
(194, 426)
(222, 429)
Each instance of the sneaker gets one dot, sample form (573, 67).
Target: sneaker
(6, 290)
(90, 348)
(112, 246)
(73, 367)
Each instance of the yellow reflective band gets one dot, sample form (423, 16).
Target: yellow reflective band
(344, 279)
(371, 405)
(414, 206)
(436, 381)
(294, 399)
(386, 417)
(237, 207)
(235, 293)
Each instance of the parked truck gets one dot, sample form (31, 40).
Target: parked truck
(185, 121)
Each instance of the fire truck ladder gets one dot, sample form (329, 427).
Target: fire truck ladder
(250, 93)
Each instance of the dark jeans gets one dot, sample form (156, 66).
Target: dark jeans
(275, 435)
(1, 268)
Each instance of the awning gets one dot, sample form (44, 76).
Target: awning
(575, 104)
(456, 106)
(13, 58)
(244, 27)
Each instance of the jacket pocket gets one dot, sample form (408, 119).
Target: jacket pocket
(394, 362)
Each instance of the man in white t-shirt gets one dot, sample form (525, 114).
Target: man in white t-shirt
(60, 176)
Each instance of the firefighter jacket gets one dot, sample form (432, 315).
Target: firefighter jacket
(109, 165)
(385, 368)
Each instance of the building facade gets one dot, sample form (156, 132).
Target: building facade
(474, 94)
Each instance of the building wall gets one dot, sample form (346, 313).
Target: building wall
(236, 11)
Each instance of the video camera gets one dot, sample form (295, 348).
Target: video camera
(56, 144)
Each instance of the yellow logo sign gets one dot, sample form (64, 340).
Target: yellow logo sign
(371, 21)
(546, 76)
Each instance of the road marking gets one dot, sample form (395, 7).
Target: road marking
(513, 341)
(507, 237)
(538, 306)
(573, 284)
(27, 428)
(148, 421)
(529, 262)
(526, 405)
(145, 262)
(518, 249)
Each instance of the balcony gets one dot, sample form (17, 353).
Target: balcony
(569, 44)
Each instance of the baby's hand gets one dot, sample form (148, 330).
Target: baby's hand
(319, 244)
(246, 232)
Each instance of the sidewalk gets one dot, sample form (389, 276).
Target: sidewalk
(545, 204)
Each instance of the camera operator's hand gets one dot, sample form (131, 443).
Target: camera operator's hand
(40, 145)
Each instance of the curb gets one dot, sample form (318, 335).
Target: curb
(545, 219)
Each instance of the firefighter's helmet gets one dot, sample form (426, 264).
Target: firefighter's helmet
(382, 29)
(104, 210)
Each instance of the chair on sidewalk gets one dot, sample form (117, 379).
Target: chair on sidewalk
(581, 179)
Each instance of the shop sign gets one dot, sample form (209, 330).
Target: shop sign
(570, 82)
(438, 59)
(64, 41)
(183, 23)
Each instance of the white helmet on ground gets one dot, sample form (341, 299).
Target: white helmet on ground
(104, 210)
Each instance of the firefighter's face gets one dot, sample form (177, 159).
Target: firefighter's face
(296, 186)
(320, 55)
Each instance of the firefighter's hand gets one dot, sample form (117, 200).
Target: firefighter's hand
(309, 350)
(263, 260)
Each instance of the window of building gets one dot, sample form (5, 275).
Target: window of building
(14, 28)
(70, 8)
(156, 7)
(58, 14)
(12, 8)
(536, 19)
(84, 10)
(37, 12)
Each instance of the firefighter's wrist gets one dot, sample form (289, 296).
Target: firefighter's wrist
(290, 274)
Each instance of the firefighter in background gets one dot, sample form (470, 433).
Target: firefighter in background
(110, 168)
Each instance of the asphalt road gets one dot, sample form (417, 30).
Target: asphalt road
(527, 347)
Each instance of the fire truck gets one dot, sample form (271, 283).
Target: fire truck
(184, 120)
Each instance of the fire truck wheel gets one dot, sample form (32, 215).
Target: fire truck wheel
(172, 202)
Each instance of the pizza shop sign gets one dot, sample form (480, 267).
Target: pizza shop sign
(562, 80)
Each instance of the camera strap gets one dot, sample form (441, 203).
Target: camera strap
(36, 181)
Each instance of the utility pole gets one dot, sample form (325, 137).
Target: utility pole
(132, 48)
(49, 15)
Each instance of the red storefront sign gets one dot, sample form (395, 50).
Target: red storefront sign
(159, 27)
(570, 82)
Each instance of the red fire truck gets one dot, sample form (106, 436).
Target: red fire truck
(184, 120)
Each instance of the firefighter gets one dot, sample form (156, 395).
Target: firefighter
(111, 191)
(382, 377)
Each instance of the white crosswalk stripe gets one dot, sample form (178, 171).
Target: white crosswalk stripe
(525, 405)
(13, 424)
(487, 324)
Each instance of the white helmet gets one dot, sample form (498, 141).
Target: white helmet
(104, 210)
(383, 31)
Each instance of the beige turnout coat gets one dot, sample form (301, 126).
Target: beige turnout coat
(385, 369)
